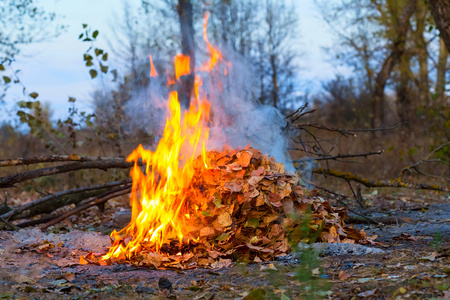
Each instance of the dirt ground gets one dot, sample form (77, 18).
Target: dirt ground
(415, 263)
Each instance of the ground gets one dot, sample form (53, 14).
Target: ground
(414, 262)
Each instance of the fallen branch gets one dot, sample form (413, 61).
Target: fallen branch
(91, 202)
(6, 225)
(397, 183)
(52, 159)
(103, 164)
(45, 199)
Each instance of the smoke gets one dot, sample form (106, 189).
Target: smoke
(236, 118)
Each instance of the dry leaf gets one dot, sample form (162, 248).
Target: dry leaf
(367, 293)
(83, 261)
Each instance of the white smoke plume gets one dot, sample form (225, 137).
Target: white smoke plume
(237, 119)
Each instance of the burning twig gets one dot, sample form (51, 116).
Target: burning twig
(397, 183)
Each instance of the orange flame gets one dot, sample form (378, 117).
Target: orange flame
(215, 55)
(182, 65)
(153, 72)
(162, 198)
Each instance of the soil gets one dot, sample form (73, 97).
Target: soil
(413, 262)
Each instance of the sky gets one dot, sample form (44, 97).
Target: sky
(55, 69)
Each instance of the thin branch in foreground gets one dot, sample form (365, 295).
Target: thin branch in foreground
(425, 159)
(339, 198)
(104, 164)
(349, 131)
(298, 110)
(27, 206)
(53, 159)
(397, 183)
(339, 156)
(92, 202)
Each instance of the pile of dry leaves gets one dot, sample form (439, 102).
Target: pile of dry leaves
(247, 207)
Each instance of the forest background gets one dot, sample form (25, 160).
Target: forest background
(367, 76)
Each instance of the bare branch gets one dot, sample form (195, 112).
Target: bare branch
(92, 202)
(397, 183)
(425, 159)
(27, 206)
(53, 158)
(349, 131)
(338, 156)
(339, 198)
(103, 164)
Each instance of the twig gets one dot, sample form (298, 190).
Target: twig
(349, 131)
(103, 164)
(397, 183)
(51, 159)
(302, 114)
(27, 206)
(425, 159)
(338, 199)
(299, 110)
(343, 131)
(339, 156)
(4, 224)
(35, 222)
(92, 202)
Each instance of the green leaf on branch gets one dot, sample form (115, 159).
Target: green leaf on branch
(81, 35)
(2, 68)
(84, 25)
(72, 99)
(93, 73)
(104, 68)
(87, 40)
(87, 57)
(89, 63)
(114, 72)
(98, 51)
(34, 95)
(6, 79)
(105, 57)
(94, 34)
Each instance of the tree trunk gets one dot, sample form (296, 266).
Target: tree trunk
(441, 70)
(423, 84)
(397, 49)
(275, 88)
(404, 99)
(440, 10)
(186, 86)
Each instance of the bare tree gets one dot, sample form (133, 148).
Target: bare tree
(440, 9)
(23, 22)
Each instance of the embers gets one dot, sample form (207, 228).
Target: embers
(174, 247)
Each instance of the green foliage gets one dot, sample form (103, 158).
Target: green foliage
(93, 73)
(94, 62)
(309, 271)
(437, 241)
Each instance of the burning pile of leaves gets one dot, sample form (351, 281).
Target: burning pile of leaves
(248, 209)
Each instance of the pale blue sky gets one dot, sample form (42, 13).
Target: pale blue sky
(56, 71)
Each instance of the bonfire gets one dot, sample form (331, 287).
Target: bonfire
(192, 207)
